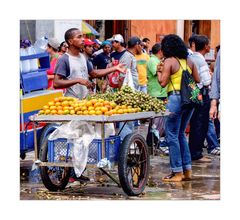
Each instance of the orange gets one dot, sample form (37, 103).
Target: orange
(79, 112)
(59, 107)
(104, 109)
(94, 101)
(108, 113)
(45, 107)
(57, 99)
(85, 112)
(89, 103)
(72, 112)
(70, 107)
(98, 112)
(47, 111)
(53, 107)
(77, 109)
(125, 111)
(123, 106)
(100, 100)
(106, 103)
(65, 103)
(98, 104)
(60, 112)
(66, 112)
(83, 108)
(113, 104)
(50, 103)
(65, 108)
(41, 112)
(120, 111)
(114, 111)
(54, 112)
(90, 108)
(91, 112)
(58, 103)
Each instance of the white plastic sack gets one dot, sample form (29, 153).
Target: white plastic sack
(80, 134)
(128, 80)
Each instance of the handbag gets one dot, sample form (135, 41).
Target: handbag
(190, 93)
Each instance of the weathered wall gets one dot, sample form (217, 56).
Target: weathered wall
(150, 28)
(215, 33)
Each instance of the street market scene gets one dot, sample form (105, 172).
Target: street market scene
(119, 109)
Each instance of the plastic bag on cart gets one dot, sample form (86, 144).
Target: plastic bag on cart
(80, 134)
(128, 80)
(109, 130)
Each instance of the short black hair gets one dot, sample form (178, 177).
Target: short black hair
(69, 34)
(173, 46)
(192, 39)
(217, 48)
(200, 42)
(145, 39)
(156, 48)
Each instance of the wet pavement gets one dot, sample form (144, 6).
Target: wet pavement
(204, 186)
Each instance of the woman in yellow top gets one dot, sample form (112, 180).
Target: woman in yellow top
(175, 52)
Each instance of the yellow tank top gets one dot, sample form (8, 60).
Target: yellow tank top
(176, 77)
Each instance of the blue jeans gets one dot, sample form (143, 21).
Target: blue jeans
(142, 89)
(212, 139)
(176, 123)
(128, 129)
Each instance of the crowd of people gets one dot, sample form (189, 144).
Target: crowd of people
(82, 66)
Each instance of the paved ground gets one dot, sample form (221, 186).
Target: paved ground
(204, 186)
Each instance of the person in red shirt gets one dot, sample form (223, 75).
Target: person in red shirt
(52, 49)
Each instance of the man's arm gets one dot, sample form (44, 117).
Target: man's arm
(59, 82)
(97, 73)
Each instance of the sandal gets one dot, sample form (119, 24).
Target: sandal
(215, 151)
(173, 177)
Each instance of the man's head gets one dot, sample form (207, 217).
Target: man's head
(146, 42)
(106, 46)
(97, 44)
(117, 41)
(191, 42)
(53, 45)
(156, 50)
(134, 44)
(88, 46)
(202, 44)
(74, 38)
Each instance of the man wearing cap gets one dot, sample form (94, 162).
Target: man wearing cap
(101, 61)
(72, 70)
(52, 49)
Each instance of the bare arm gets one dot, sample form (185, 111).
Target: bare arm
(59, 82)
(194, 71)
(163, 77)
(103, 72)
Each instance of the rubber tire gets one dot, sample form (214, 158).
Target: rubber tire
(49, 128)
(44, 170)
(122, 165)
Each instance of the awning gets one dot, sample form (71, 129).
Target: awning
(88, 29)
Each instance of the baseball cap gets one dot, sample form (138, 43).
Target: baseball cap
(117, 37)
(133, 41)
(96, 41)
(88, 42)
(106, 42)
(54, 43)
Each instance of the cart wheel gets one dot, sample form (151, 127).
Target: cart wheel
(49, 128)
(133, 164)
(54, 178)
(22, 155)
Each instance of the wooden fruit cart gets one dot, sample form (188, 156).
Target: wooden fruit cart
(131, 155)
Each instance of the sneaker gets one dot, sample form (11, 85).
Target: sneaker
(164, 150)
(215, 151)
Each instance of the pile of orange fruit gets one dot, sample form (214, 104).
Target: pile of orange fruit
(73, 106)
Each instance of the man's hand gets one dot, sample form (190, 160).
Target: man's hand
(121, 68)
(86, 83)
(213, 110)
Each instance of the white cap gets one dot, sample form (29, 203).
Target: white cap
(117, 37)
